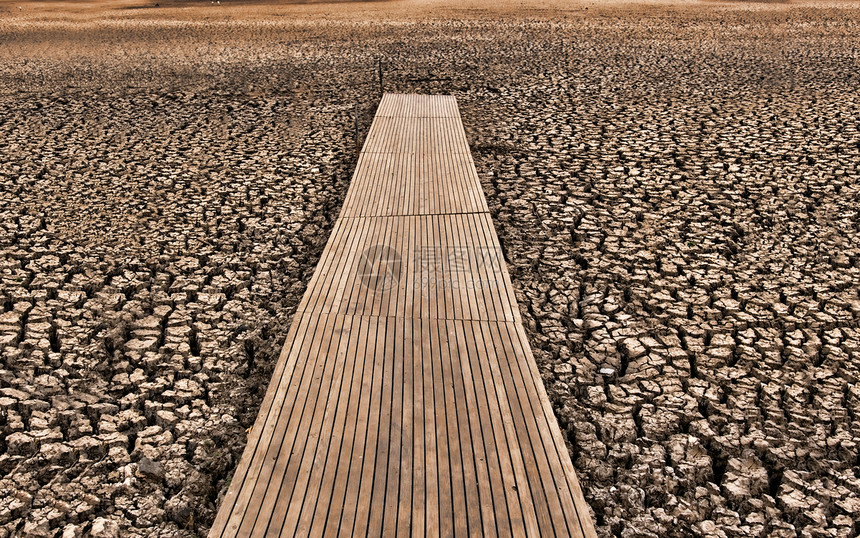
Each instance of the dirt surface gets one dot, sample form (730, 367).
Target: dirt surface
(675, 186)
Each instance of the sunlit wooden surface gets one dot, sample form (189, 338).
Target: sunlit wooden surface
(406, 400)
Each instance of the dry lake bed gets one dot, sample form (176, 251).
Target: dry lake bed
(675, 185)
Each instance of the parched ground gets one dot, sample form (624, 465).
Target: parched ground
(676, 188)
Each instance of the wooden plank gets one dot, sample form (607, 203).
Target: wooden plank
(365, 480)
(316, 515)
(449, 267)
(461, 467)
(419, 427)
(406, 401)
(487, 482)
(505, 499)
(342, 511)
(407, 444)
(431, 433)
(309, 470)
(275, 493)
(519, 436)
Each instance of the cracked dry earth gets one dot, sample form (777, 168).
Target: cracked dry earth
(675, 187)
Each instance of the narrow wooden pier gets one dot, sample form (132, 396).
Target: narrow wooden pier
(406, 400)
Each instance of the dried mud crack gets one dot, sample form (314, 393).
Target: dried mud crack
(675, 188)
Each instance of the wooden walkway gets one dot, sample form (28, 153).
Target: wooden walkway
(406, 401)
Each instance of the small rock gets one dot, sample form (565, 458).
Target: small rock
(633, 348)
(71, 531)
(708, 526)
(104, 528)
(57, 454)
(179, 510)
(152, 470)
(36, 529)
(20, 444)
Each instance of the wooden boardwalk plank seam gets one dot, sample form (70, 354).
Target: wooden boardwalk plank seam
(406, 400)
